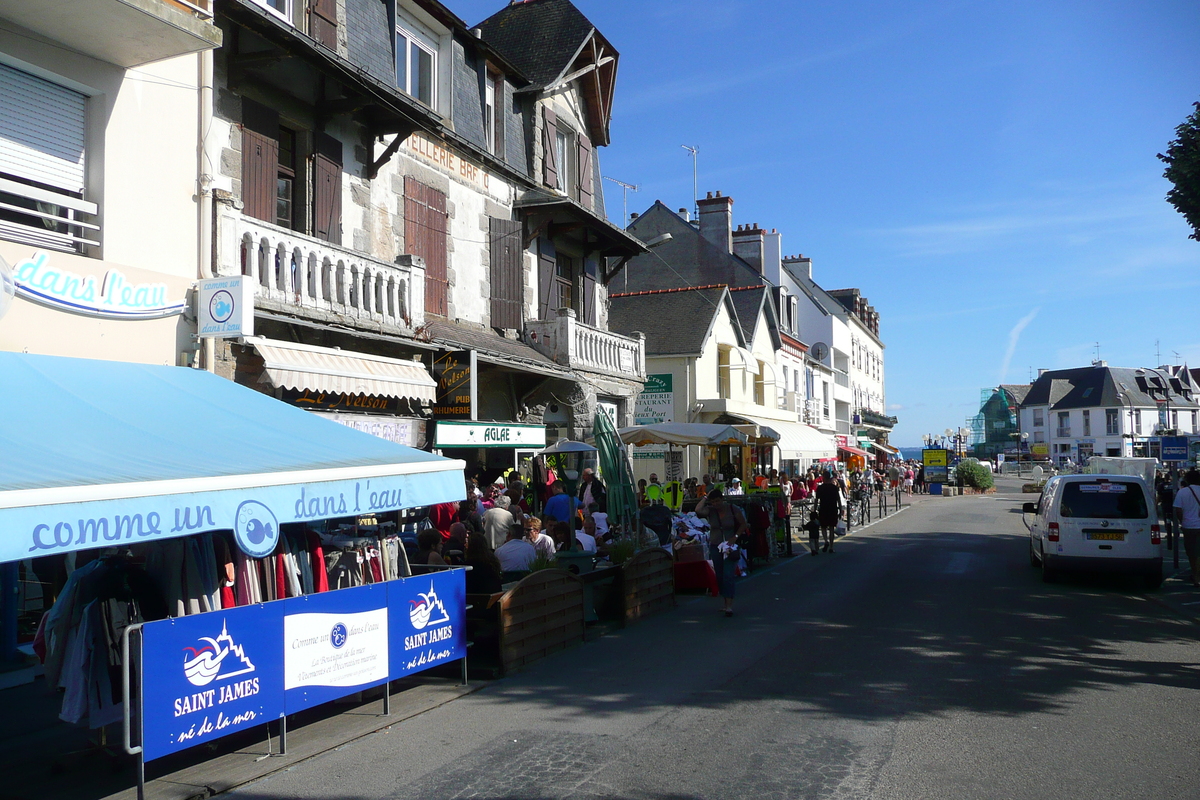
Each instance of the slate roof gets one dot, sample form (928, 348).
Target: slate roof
(491, 346)
(539, 37)
(1089, 387)
(675, 322)
(692, 259)
(1016, 391)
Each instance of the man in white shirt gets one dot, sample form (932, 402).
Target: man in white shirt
(516, 554)
(587, 537)
(1187, 514)
(496, 522)
(542, 542)
(735, 487)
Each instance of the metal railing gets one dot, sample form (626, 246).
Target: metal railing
(1063, 432)
(44, 218)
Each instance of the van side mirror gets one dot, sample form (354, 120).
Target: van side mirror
(1029, 508)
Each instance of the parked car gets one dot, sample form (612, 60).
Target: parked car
(1103, 523)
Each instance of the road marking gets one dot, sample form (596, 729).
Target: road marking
(958, 564)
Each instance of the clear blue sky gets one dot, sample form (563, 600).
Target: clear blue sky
(984, 171)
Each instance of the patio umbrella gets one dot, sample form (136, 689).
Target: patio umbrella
(618, 476)
(683, 434)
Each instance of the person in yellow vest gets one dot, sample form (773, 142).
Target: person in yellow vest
(654, 489)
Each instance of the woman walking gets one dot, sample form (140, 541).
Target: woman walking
(724, 521)
(829, 509)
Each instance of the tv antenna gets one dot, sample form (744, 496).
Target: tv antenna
(695, 182)
(1097, 346)
(626, 188)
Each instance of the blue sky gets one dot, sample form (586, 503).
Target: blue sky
(984, 172)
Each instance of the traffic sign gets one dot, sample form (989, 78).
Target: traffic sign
(1174, 448)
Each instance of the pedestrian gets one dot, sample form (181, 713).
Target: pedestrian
(909, 477)
(921, 479)
(1187, 514)
(829, 509)
(723, 520)
(591, 490)
(813, 526)
(731, 569)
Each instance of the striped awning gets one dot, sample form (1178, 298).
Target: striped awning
(322, 369)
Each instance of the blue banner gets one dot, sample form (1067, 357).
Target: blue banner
(213, 674)
(335, 644)
(210, 675)
(427, 615)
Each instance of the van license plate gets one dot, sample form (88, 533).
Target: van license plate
(1107, 537)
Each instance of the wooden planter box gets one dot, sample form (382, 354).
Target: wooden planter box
(540, 615)
(647, 584)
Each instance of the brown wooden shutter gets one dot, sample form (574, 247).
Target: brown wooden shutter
(327, 189)
(322, 22)
(589, 293)
(501, 118)
(546, 293)
(260, 160)
(585, 171)
(425, 227)
(507, 282)
(550, 149)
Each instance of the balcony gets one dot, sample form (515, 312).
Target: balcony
(48, 219)
(875, 419)
(128, 33)
(331, 283)
(841, 379)
(1063, 433)
(571, 343)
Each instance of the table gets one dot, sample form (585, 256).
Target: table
(696, 575)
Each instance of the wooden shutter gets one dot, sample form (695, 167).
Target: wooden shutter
(507, 285)
(589, 293)
(327, 189)
(260, 160)
(550, 149)
(501, 117)
(322, 22)
(546, 293)
(585, 171)
(425, 236)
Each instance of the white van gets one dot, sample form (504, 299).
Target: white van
(1103, 523)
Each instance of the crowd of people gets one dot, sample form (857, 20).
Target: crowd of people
(495, 532)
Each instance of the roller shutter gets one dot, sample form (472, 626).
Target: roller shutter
(42, 129)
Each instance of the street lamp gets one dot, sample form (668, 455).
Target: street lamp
(1021, 445)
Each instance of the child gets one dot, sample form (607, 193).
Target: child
(731, 569)
(813, 526)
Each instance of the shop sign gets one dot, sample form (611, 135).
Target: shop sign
(112, 296)
(488, 434)
(842, 441)
(456, 375)
(936, 462)
(432, 152)
(210, 675)
(339, 401)
(656, 403)
(674, 465)
(406, 431)
(225, 308)
(1040, 449)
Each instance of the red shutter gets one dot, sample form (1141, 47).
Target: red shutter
(322, 22)
(260, 160)
(585, 171)
(507, 283)
(425, 228)
(550, 149)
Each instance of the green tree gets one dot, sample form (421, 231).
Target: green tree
(1183, 170)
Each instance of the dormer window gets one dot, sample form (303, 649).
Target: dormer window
(416, 64)
(280, 8)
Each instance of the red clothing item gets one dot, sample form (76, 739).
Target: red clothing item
(442, 516)
(320, 576)
(281, 587)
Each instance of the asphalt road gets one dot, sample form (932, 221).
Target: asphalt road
(923, 659)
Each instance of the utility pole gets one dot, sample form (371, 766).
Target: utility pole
(695, 151)
(626, 188)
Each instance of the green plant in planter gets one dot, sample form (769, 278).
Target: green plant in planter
(541, 562)
(622, 550)
(974, 474)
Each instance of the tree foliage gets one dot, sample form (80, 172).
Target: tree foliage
(1183, 170)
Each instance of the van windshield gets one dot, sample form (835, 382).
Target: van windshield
(1104, 499)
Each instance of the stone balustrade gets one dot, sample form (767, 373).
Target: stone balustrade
(573, 344)
(293, 269)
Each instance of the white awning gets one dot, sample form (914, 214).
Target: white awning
(323, 369)
(795, 439)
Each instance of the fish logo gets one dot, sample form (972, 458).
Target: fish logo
(256, 529)
(204, 664)
(429, 610)
(220, 307)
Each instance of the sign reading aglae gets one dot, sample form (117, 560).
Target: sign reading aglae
(112, 296)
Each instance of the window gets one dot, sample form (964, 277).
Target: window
(1194, 422)
(760, 393)
(825, 398)
(1104, 499)
(1038, 419)
(723, 373)
(564, 280)
(1064, 423)
(1137, 421)
(1175, 419)
(493, 114)
(416, 65)
(285, 181)
(564, 151)
(280, 8)
(1087, 423)
(1112, 422)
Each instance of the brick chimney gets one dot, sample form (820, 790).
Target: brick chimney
(716, 220)
(748, 244)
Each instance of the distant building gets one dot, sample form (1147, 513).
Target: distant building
(995, 426)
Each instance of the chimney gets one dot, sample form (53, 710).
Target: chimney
(1042, 372)
(716, 220)
(773, 256)
(685, 215)
(800, 264)
(748, 244)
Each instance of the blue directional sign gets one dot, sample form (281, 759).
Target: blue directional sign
(1174, 448)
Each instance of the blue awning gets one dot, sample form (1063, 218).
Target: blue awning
(101, 453)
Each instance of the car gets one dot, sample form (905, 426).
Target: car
(1100, 523)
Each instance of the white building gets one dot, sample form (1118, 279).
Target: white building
(1108, 411)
